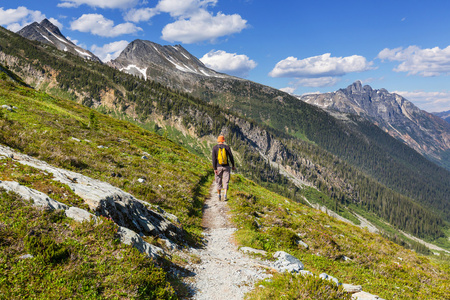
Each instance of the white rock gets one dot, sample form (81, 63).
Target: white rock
(287, 262)
(79, 214)
(130, 237)
(141, 180)
(251, 250)
(303, 244)
(305, 273)
(350, 288)
(38, 198)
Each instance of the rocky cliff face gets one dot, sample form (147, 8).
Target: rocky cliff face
(47, 33)
(420, 130)
(443, 115)
(169, 65)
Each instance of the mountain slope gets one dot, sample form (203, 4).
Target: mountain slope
(366, 148)
(268, 155)
(84, 260)
(444, 115)
(394, 114)
(46, 32)
(165, 64)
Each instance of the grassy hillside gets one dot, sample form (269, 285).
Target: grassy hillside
(338, 177)
(269, 222)
(86, 261)
(70, 260)
(73, 137)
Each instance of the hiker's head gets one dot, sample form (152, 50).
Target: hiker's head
(221, 139)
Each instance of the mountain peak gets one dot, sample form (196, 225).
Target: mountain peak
(48, 33)
(141, 55)
(50, 26)
(355, 86)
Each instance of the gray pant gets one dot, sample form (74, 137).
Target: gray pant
(223, 177)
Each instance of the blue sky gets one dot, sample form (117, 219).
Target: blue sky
(297, 46)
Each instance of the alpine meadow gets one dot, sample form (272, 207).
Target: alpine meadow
(106, 181)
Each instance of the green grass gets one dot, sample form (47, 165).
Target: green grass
(270, 222)
(61, 133)
(70, 260)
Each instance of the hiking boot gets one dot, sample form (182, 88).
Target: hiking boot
(220, 197)
(225, 197)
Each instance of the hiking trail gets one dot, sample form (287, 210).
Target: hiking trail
(224, 272)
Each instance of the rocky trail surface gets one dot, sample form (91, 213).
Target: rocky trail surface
(224, 271)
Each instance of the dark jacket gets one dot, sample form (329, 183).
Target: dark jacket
(215, 150)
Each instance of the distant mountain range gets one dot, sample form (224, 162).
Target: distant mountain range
(422, 131)
(47, 33)
(444, 115)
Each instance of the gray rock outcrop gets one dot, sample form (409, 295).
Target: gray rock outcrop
(287, 263)
(102, 198)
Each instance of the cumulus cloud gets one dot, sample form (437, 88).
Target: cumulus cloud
(320, 66)
(194, 23)
(229, 63)
(317, 82)
(16, 19)
(99, 25)
(184, 8)
(203, 27)
(140, 15)
(428, 101)
(109, 51)
(99, 3)
(416, 61)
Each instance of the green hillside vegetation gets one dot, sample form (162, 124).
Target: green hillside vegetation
(270, 222)
(71, 136)
(356, 141)
(86, 261)
(340, 180)
(70, 260)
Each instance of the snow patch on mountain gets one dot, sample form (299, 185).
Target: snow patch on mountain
(143, 71)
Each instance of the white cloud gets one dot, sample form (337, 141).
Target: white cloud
(99, 3)
(139, 15)
(99, 25)
(428, 101)
(229, 63)
(203, 26)
(416, 61)
(109, 51)
(320, 66)
(16, 19)
(56, 23)
(317, 82)
(184, 8)
(289, 90)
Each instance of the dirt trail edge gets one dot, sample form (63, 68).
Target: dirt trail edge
(224, 271)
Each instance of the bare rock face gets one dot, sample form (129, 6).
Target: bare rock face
(422, 131)
(46, 32)
(105, 200)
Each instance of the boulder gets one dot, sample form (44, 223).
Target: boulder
(330, 278)
(38, 198)
(253, 251)
(287, 263)
(350, 288)
(106, 200)
(79, 214)
(130, 237)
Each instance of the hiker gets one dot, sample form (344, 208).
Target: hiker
(221, 160)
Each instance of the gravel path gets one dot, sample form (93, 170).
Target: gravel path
(224, 271)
